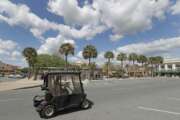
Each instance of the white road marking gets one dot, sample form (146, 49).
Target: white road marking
(173, 98)
(13, 99)
(158, 110)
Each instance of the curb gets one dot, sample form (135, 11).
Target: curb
(28, 87)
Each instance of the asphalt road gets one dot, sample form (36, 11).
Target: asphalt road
(147, 99)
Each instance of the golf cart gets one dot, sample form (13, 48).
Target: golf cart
(63, 90)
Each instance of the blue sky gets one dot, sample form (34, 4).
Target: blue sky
(144, 26)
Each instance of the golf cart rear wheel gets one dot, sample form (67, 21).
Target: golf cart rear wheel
(85, 104)
(48, 111)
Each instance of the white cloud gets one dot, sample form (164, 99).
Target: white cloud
(176, 8)
(122, 16)
(10, 52)
(72, 13)
(158, 47)
(21, 15)
(130, 16)
(7, 46)
(51, 45)
(86, 32)
(115, 37)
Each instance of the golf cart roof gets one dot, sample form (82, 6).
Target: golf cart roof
(63, 73)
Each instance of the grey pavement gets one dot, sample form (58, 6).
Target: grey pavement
(144, 99)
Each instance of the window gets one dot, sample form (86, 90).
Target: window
(162, 66)
(169, 66)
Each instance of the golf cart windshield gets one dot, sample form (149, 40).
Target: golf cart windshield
(63, 83)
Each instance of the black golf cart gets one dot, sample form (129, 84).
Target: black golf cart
(62, 90)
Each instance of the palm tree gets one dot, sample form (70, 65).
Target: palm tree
(89, 52)
(108, 55)
(142, 59)
(155, 61)
(158, 61)
(133, 57)
(152, 61)
(30, 55)
(121, 57)
(66, 49)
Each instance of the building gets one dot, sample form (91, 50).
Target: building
(6, 69)
(139, 71)
(170, 67)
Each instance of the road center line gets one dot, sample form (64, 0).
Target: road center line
(7, 100)
(158, 110)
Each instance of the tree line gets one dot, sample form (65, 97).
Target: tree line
(89, 52)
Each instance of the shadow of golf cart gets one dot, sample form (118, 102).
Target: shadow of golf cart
(63, 90)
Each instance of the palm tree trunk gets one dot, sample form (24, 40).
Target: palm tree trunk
(108, 67)
(122, 63)
(66, 61)
(29, 69)
(89, 64)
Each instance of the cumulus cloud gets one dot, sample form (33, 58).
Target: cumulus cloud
(122, 16)
(176, 8)
(115, 37)
(7, 46)
(86, 32)
(73, 13)
(10, 52)
(161, 46)
(51, 45)
(130, 16)
(21, 15)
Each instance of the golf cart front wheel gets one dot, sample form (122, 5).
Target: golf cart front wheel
(47, 112)
(85, 104)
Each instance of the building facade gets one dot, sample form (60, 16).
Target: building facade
(170, 67)
(6, 69)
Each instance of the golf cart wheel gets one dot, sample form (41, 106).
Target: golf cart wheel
(48, 111)
(85, 104)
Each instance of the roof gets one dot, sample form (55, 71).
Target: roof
(171, 61)
(67, 72)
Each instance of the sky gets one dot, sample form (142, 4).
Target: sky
(149, 27)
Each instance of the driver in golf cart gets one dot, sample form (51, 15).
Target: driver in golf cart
(62, 90)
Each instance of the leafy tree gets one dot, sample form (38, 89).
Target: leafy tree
(133, 57)
(66, 49)
(89, 52)
(45, 60)
(122, 57)
(108, 55)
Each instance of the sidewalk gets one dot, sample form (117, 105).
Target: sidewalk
(19, 84)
